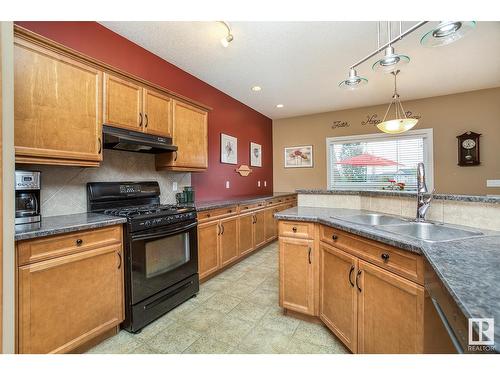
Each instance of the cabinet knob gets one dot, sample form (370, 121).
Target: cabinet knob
(385, 257)
(79, 242)
(294, 229)
(208, 215)
(335, 237)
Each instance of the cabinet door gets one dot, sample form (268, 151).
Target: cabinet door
(338, 296)
(57, 108)
(122, 103)
(296, 275)
(66, 301)
(259, 227)
(228, 240)
(271, 225)
(190, 135)
(390, 312)
(157, 113)
(208, 248)
(245, 229)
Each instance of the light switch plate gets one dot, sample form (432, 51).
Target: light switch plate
(492, 183)
(174, 186)
(258, 183)
(265, 183)
(227, 184)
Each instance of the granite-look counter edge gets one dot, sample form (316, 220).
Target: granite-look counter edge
(52, 225)
(468, 268)
(403, 194)
(209, 205)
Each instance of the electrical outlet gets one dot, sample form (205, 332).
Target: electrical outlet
(265, 183)
(227, 184)
(174, 186)
(258, 183)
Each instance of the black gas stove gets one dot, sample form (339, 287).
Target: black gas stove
(161, 249)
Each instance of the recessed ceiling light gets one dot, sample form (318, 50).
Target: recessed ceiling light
(256, 88)
(279, 105)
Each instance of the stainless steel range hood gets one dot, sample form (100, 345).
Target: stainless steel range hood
(128, 140)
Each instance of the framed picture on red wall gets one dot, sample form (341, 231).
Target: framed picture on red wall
(228, 149)
(255, 155)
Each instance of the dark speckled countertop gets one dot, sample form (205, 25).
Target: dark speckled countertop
(68, 223)
(209, 205)
(468, 268)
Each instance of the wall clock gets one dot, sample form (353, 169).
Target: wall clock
(468, 149)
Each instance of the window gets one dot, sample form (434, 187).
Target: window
(379, 161)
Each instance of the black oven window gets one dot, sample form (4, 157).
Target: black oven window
(166, 254)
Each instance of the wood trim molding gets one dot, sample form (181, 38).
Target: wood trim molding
(25, 34)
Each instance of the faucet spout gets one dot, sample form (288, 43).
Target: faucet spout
(423, 204)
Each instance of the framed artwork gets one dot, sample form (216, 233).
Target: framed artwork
(255, 155)
(299, 157)
(228, 149)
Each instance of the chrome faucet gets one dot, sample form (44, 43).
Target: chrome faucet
(422, 203)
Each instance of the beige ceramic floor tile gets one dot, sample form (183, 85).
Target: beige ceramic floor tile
(277, 321)
(240, 290)
(230, 330)
(249, 311)
(175, 339)
(202, 318)
(222, 302)
(154, 328)
(183, 309)
(263, 341)
(121, 343)
(316, 334)
(208, 345)
(264, 297)
(143, 349)
(303, 347)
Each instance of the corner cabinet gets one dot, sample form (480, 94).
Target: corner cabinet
(190, 135)
(69, 290)
(57, 108)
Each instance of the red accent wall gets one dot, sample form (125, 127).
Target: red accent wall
(228, 116)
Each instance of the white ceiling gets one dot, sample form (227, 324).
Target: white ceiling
(299, 64)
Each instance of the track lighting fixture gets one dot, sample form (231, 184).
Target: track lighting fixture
(353, 81)
(447, 32)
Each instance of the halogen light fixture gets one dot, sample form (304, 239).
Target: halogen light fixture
(400, 123)
(228, 38)
(447, 32)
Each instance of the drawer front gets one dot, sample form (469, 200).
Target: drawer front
(275, 201)
(296, 229)
(290, 198)
(216, 213)
(31, 251)
(395, 260)
(252, 206)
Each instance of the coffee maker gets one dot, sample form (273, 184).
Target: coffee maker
(27, 199)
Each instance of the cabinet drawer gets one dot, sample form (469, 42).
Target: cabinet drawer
(216, 213)
(274, 201)
(31, 251)
(296, 229)
(252, 206)
(395, 260)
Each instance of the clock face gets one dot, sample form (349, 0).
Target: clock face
(468, 144)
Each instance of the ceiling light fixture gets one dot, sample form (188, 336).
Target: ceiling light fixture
(447, 32)
(400, 123)
(229, 36)
(353, 81)
(279, 105)
(256, 88)
(391, 60)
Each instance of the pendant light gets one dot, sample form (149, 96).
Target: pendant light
(400, 123)
(353, 81)
(447, 32)
(391, 60)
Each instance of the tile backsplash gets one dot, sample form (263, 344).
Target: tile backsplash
(64, 188)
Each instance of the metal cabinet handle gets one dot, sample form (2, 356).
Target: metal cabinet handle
(175, 158)
(294, 229)
(120, 258)
(147, 121)
(79, 242)
(222, 229)
(140, 118)
(100, 145)
(350, 274)
(335, 237)
(309, 255)
(385, 257)
(357, 280)
(218, 229)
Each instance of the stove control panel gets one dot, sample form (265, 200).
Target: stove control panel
(165, 220)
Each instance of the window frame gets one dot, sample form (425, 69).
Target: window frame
(427, 134)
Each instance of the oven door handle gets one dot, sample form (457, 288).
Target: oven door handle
(150, 236)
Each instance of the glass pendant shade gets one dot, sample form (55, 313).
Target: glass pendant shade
(391, 61)
(353, 82)
(447, 32)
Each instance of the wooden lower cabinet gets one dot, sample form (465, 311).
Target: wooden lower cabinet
(390, 312)
(338, 307)
(208, 248)
(69, 300)
(246, 238)
(229, 250)
(259, 228)
(297, 286)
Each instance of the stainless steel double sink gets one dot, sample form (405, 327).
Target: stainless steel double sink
(426, 231)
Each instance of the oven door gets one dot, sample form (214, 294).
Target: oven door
(162, 257)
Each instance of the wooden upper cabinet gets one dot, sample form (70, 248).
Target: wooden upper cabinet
(190, 135)
(122, 103)
(338, 294)
(390, 312)
(297, 285)
(157, 113)
(67, 301)
(57, 108)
